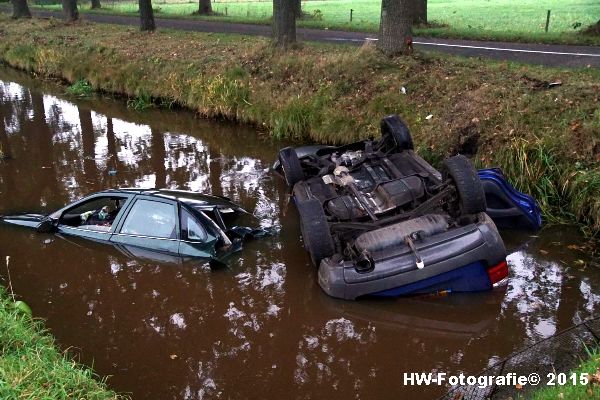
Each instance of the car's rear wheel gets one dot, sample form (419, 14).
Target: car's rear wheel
(471, 196)
(292, 170)
(315, 230)
(394, 128)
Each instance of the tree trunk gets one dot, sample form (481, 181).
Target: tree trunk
(20, 9)
(297, 8)
(204, 7)
(96, 4)
(146, 15)
(70, 10)
(395, 33)
(420, 16)
(284, 22)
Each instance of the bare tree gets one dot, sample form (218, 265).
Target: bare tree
(96, 4)
(146, 16)
(395, 29)
(204, 7)
(284, 22)
(420, 16)
(70, 10)
(20, 9)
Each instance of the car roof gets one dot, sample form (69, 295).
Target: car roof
(196, 200)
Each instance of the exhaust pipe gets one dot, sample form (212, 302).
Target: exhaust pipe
(364, 263)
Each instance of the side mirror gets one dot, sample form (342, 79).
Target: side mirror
(48, 225)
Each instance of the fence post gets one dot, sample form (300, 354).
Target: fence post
(351, 11)
(547, 20)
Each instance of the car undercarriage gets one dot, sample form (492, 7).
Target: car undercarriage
(375, 200)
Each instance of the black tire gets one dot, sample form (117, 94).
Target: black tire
(393, 127)
(315, 230)
(471, 196)
(292, 170)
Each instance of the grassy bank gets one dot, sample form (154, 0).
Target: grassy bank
(591, 367)
(469, 19)
(546, 140)
(31, 366)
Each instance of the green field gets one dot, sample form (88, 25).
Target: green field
(522, 20)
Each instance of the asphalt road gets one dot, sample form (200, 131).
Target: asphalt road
(542, 54)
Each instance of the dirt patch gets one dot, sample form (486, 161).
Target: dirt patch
(538, 84)
(471, 112)
(593, 29)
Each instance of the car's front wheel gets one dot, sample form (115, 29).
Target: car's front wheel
(292, 170)
(462, 173)
(315, 230)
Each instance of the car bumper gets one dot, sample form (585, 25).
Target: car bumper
(455, 260)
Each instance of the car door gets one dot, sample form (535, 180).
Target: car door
(72, 221)
(150, 222)
(197, 240)
(509, 208)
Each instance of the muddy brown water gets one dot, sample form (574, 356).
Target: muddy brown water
(260, 327)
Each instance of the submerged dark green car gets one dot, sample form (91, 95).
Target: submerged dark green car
(172, 221)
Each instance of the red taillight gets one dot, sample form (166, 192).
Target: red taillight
(498, 272)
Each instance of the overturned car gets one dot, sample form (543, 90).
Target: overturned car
(378, 220)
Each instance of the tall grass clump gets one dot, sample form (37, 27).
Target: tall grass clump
(81, 88)
(23, 56)
(32, 367)
(560, 188)
(141, 102)
(219, 96)
(298, 119)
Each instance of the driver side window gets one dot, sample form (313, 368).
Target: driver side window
(98, 213)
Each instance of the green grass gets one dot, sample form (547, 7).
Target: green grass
(32, 367)
(80, 88)
(509, 20)
(140, 102)
(547, 141)
(569, 391)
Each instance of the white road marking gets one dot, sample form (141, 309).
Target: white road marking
(464, 46)
(503, 49)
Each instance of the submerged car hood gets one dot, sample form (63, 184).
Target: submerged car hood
(29, 220)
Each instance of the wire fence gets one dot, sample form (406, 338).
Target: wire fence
(556, 354)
